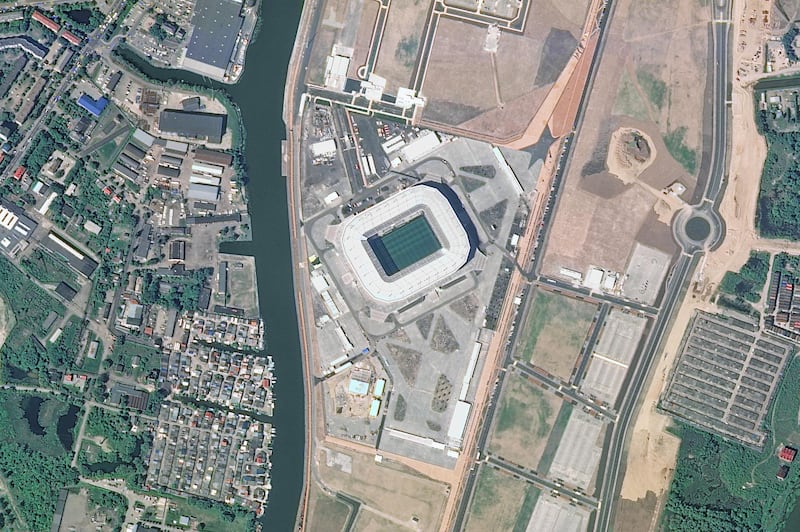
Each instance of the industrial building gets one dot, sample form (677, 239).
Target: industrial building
(199, 191)
(78, 260)
(95, 107)
(203, 126)
(216, 29)
(408, 243)
(213, 157)
(15, 227)
(168, 171)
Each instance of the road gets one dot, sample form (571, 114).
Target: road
(92, 41)
(532, 476)
(678, 280)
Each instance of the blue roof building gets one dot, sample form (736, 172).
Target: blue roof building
(95, 107)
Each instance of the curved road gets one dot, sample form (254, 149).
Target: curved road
(677, 281)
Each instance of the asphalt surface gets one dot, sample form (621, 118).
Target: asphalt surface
(680, 274)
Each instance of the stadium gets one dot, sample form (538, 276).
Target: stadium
(408, 243)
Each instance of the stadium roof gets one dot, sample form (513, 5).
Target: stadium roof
(216, 27)
(207, 126)
(446, 217)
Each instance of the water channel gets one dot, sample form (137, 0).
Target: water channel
(259, 95)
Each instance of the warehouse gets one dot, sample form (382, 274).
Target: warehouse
(213, 157)
(168, 171)
(204, 180)
(202, 192)
(216, 28)
(204, 126)
(210, 169)
(125, 171)
(74, 257)
(174, 161)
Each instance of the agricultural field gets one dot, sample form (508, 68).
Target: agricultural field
(554, 331)
(523, 421)
(500, 502)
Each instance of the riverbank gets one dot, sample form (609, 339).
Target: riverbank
(259, 97)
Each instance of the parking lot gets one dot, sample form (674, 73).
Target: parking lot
(726, 376)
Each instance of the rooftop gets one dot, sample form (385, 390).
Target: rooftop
(216, 27)
(208, 126)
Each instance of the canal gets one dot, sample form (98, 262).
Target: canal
(259, 95)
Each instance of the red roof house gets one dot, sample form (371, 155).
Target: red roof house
(45, 21)
(71, 37)
(19, 172)
(787, 454)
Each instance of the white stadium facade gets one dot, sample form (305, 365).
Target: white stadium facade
(409, 243)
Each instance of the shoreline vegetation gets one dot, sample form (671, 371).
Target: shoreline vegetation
(121, 54)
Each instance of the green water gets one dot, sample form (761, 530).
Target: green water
(259, 95)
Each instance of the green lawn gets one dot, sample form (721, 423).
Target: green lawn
(497, 502)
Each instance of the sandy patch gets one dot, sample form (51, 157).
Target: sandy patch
(630, 153)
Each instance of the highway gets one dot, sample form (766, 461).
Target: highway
(677, 282)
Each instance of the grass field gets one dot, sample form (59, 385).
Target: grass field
(675, 142)
(327, 514)
(628, 101)
(554, 331)
(523, 423)
(47, 268)
(149, 358)
(395, 489)
(501, 502)
(370, 522)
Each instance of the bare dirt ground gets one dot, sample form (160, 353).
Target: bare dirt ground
(366, 25)
(7, 321)
(653, 451)
(524, 422)
(599, 218)
(392, 488)
(402, 37)
(458, 60)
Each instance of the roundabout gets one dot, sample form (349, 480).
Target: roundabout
(698, 228)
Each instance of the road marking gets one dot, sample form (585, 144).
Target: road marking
(610, 360)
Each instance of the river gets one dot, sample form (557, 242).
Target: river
(259, 95)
